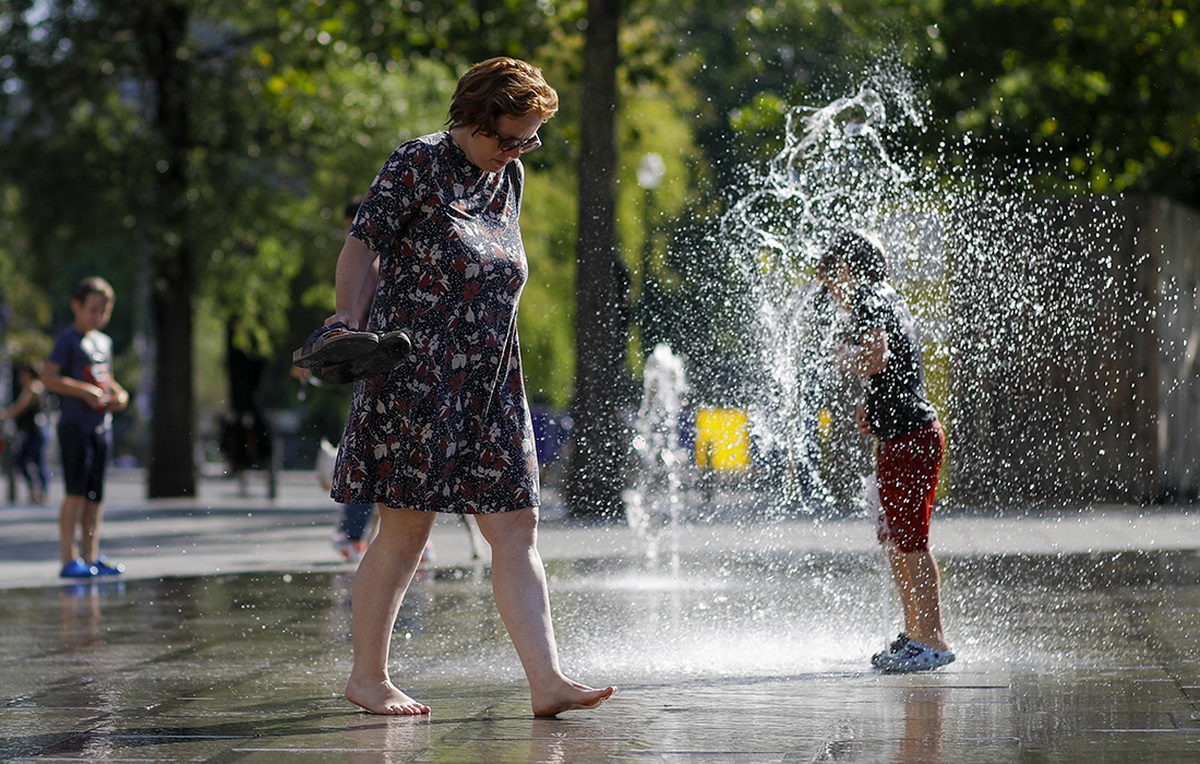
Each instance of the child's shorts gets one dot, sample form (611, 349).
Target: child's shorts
(84, 459)
(907, 470)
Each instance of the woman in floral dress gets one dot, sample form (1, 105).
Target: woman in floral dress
(450, 432)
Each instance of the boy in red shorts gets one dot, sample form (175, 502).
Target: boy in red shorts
(895, 410)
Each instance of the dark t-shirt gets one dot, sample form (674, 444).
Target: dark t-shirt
(28, 420)
(86, 357)
(896, 403)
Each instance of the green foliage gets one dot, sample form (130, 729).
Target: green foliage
(1107, 92)
(294, 104)
(546, 319)
(26, 308)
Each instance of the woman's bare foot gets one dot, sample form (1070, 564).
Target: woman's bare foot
(383, 698)
(569, 696)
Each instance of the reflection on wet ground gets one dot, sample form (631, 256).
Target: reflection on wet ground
(737, 657)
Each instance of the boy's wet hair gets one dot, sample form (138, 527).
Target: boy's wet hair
(93, 285)
(860, 250)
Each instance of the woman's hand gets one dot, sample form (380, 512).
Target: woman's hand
(346, 317)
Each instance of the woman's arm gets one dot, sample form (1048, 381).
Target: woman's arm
(355, 269)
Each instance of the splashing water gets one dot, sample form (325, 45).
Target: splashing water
(652, 502)
(980, 265)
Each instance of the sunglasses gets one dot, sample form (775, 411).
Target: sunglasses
(508, 144)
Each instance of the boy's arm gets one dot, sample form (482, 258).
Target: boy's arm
(868, 358)
(55, 382)
(118, 397)
(23, 401)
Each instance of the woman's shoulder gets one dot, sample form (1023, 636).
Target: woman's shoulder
(424, 158)
(428, 147)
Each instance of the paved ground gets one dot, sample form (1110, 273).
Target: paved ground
(228, 641)
(223, 531)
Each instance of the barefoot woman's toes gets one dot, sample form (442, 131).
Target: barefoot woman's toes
(409, 709)
(384, 698)
(573, 696)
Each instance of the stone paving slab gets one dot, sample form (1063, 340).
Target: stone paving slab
(721, 657)
(228, 642)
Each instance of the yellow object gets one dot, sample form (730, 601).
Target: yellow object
(722, 439)
(825, 423)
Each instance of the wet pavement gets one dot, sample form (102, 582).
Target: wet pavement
(229, 641)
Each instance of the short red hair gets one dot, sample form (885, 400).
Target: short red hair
(500, 87)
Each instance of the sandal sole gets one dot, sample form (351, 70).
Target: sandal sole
(334, 348)
(391, 351)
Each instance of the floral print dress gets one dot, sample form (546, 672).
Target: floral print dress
(450, 431)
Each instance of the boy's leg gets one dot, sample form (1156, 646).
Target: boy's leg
(75, 467)
(89, 542)
(919, 582)
(70, 517)
(928, 598)
(908, 477)
(93, 507)
(904, 587)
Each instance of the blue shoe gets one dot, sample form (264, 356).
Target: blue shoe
(880, 660)
(915, 656)
(79, 568)
(104, 569)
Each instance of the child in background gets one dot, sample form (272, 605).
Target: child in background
(79, 371)
(26, 413)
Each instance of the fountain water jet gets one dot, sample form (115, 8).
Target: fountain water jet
(652, 502)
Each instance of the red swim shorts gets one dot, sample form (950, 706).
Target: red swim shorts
(907, 472)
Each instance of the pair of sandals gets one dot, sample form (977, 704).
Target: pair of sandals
(339, 355)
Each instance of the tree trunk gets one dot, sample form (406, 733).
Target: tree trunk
(597, 473)
(171, 466)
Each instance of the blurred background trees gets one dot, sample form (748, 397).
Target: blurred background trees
(198, 155)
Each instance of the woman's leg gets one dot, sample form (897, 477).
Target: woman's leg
(519, 588)
(25, 462)
(383, 576)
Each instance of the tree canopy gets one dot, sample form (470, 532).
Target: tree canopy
(198, 154)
